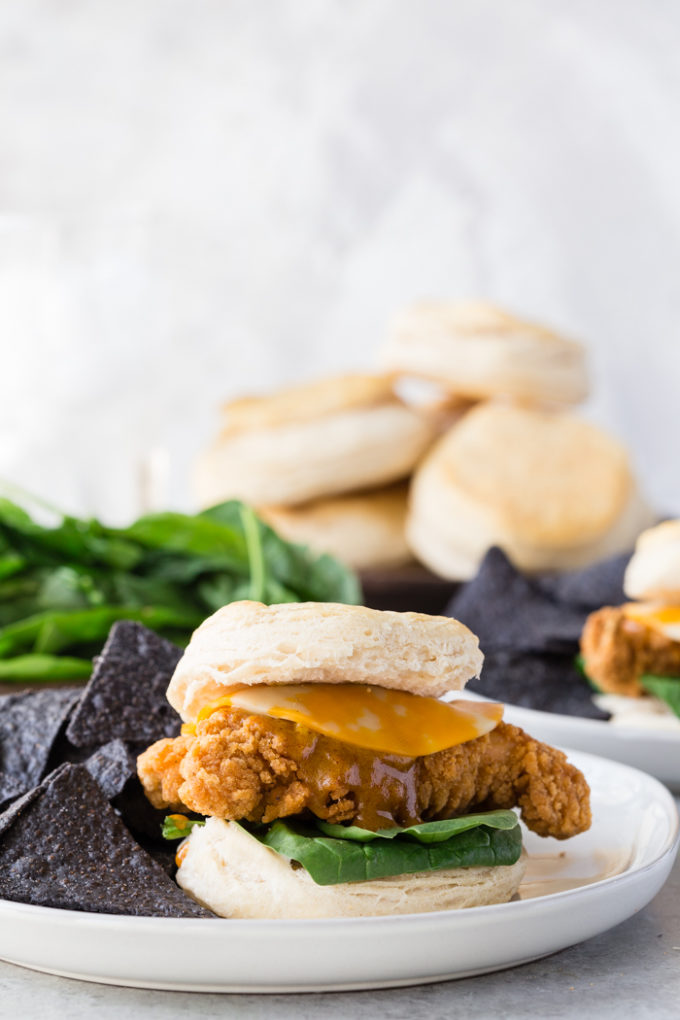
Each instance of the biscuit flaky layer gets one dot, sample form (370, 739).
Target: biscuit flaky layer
(303, 642)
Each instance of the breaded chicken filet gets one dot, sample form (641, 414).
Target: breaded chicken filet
(242, 766)
(617, 650)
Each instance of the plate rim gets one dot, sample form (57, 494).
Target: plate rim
(626, 733)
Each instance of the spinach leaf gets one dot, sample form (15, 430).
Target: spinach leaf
(43, 668)
(291, 569)
(73, 540)
(69, 588)
(667, 688)
(256, 560)
(217, 590)
(425, 832)
(195, 536)
(308, 575)
(330, 861)
(52, 631)
(14, 516)
(11, 563)
(580, 664)
(178, 826)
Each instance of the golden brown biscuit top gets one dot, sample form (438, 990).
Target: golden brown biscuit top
(483, 320)
(548, 478)
(307, 402)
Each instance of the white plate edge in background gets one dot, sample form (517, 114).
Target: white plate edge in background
(656, 752)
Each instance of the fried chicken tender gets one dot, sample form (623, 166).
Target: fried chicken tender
(617, 651)
(162, 783)
(507, 768)
(251, 767)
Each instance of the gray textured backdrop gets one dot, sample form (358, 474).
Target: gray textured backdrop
(201, 197)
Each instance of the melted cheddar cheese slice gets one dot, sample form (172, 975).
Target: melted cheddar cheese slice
(665, 619)
(371, 717)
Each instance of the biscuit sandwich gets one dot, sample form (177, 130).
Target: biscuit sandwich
(552, 491)
(631, 653)
(319, 773)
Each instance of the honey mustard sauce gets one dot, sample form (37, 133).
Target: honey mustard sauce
(559, 872)
(379, 789)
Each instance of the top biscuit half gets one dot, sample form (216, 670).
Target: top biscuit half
(653, 573)
(309, 642)
(478, 351)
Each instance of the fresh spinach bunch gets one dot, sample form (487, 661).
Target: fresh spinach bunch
(61, 587)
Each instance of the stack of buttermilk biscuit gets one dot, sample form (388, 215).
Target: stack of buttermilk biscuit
(496, 459)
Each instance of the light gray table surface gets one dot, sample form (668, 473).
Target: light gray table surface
(629, 972)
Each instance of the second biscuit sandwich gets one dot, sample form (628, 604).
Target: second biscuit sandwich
(631, 653)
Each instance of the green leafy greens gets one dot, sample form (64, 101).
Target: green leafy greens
(489, 839)
(179, 826)
(667, 688)
(580, 664)
(62, 586)
(426, 832)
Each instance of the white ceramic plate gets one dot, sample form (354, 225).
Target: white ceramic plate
(573, 890)
(653, 751)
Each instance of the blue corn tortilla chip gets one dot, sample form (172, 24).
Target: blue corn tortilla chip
(63, 845)
(598, 585)
(113, 766)
(508, 611)
(141, 818)
(549, 683)
(125, 696)
(529, 630)
(30, 725)
(164, 858)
